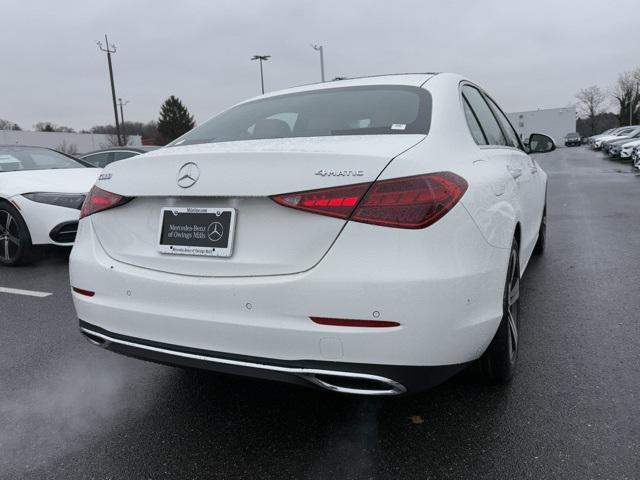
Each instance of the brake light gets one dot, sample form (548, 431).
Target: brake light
(98, 200)
(411, 202)
(335, 202)
(407, 202)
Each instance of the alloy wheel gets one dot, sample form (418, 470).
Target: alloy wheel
(9, 237)
(512, 305)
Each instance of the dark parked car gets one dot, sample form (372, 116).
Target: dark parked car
(102, 158)
(572, 140)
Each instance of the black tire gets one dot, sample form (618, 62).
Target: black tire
(541, 244)
(497, 364)
(15, 240)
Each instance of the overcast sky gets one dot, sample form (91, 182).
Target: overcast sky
(528, 55)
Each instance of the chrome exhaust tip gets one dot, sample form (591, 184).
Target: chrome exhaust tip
(354, 383)
(95, 339)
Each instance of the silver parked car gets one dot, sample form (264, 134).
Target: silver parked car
(102, 158)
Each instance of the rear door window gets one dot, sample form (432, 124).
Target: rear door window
(122, 155)
(474, 126)
(99, 160)
(512, 136)
(485, 116)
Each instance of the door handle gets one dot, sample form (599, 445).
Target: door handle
(515, 171)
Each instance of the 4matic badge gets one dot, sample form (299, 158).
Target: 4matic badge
(340, 173)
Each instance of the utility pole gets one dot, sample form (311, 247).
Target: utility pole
(109, 49)
(261, 58)
(124, 133)
(319, 48)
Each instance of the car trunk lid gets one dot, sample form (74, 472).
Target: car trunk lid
(269, 239)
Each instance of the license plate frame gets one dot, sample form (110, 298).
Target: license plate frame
(194, 231)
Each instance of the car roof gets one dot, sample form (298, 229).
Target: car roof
(408, 79)
(13, 145)
(137, 148)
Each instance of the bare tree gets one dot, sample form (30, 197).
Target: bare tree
(69, 148)
(591, 103)
(627, 93)
(112, 141)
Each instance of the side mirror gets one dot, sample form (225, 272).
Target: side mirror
(539, 143)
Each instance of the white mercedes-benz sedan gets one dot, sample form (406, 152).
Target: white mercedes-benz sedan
(41, 192)
(363, 236)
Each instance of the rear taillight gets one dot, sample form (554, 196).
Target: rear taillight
(408, 202)
(334, 202)
(98, 200)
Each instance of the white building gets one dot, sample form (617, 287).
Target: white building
(555, 122)
(83, 142)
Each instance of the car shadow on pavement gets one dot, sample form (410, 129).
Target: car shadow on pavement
(280, 426)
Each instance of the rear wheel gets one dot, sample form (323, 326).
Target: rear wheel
(542, 234)
(15, 241)
(498, 362)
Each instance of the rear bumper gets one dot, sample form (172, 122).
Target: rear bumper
(443, 285)
(360, 379)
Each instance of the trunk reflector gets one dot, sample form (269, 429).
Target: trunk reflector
(343, 322)
(81, 291)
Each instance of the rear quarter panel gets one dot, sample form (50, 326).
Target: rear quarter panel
(490, 198)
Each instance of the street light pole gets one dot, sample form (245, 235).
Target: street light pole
(261, 58)
(124, 133)
(319, 48)
(109, 50)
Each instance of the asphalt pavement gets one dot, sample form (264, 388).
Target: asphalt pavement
(69, 410)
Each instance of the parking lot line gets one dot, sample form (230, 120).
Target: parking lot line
(30, 293)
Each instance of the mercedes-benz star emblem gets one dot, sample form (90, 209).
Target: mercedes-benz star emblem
(188, 175)
(215, 231)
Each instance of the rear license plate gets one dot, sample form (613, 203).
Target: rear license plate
(197, 231)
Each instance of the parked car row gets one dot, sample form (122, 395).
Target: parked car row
(622, 142)
(617, 136)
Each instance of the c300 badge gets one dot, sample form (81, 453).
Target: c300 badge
(105, 176)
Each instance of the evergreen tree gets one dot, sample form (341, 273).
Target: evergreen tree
(174, 120)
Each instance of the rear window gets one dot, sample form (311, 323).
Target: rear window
(371, 110)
